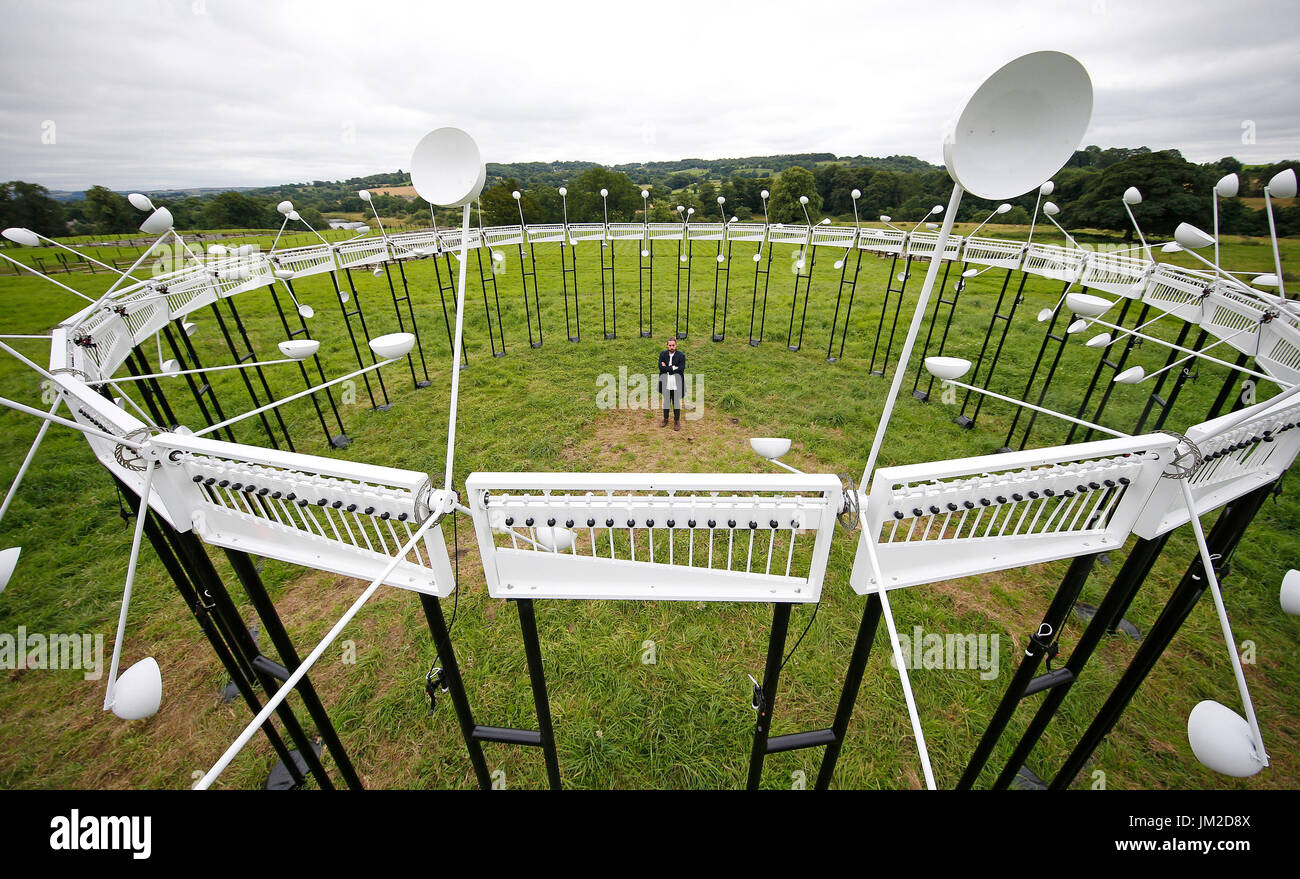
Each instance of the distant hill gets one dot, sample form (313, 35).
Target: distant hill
(65, 195)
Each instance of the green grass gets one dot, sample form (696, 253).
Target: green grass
(684, 721)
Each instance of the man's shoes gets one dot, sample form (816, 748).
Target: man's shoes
(665, 422)
(677, 425)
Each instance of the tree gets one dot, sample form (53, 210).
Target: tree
(29, 205)
(234, 210)
(1173, 191)
(586, 205)
(499, 207)
(886, 191)
(1017, 216)
(109, 212)
(791, 184)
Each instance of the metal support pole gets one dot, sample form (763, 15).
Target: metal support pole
(767, 699)
(537, 679)
(1039, 644)
(456, 685)
(190, 548)
(1143, 556)
(849, 692)
(252, 582)
(1222, 540)
(242, 676)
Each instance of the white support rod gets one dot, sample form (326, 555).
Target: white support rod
(1068, 236)
(109, 692)
(292, 681)
(1272, 234)
(899, 369)
(918, 315)
(1214, 199)
(38, 273)
(89, 431)
(1126, 333)
(31, 453)
(135, 378)
(899, 660)
(1033, 220)
(1146, 247)
(1232, 366)
(456, 349)
(284, 223)
(289, 399)
(186, 247)
(1207, 562)
(1013, 401)
(1182, 360)
(135, 265)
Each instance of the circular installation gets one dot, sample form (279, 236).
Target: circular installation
(736, 537)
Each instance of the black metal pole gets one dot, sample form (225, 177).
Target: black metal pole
(1039, 643)
(352, 336)
(229, 658)
(341, 440)
(849, 692)
(401, 326)
(320, 414)
(195, 391)
(456, 685)
(252, 582)
(374, 358)
(1143, 556)
(192, 356)
(767, 703)
(190, 548)
(767, 277)
(410, 311)
(939, 302)
(807, 294)
(1221, 541)
(252, 353)
(968, 421)
(537, 679)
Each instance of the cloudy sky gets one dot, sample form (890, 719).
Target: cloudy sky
(153, 94)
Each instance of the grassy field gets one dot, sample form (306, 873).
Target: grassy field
(685, 720)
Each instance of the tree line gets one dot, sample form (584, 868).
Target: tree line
(1088, 191)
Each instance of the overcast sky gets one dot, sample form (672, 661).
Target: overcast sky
(169, 93)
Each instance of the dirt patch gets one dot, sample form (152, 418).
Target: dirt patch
(631, 439)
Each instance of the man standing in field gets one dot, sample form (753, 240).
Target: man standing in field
(672, 366)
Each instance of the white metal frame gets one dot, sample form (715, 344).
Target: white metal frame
(651, 559)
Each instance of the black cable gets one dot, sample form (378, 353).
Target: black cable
(455, 548)
(811, 620)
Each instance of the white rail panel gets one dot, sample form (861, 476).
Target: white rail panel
(993, 252)
(302, 261)
(362, 252)
(1239, 461)
(949, 519)
(746, 231)
(587, 231)
(649, 536)
(322, 513)
(882, 240)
